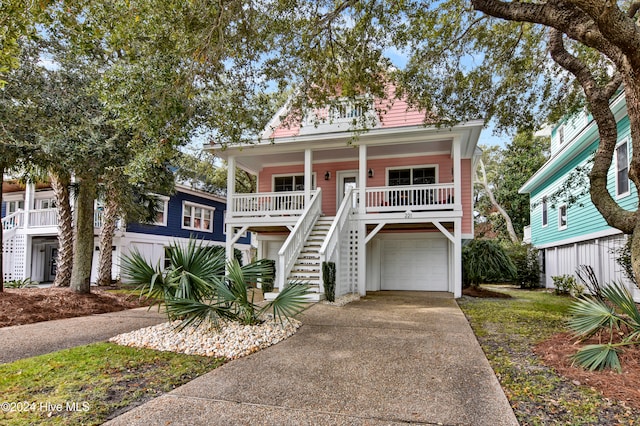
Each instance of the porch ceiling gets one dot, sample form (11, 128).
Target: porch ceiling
(260, 157)
(341, 146)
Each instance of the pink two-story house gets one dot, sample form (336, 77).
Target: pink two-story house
(390, 208)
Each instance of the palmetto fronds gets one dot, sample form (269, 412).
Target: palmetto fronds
(617, 313)
(195, 288)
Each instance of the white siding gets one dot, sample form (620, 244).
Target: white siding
(599, 253)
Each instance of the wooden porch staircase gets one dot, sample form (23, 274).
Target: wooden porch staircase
(307, 268)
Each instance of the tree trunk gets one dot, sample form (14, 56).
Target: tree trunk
(83, 241)
(105, 262)
(510, 230)
(64, 262)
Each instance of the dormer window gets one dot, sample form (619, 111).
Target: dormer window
(345, 111)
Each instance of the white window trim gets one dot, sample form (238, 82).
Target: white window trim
(39, 201)
(566, 219)
(13, 201)
(545, 206)
(165, 202)
(561, 130)
(202, 206)
(314, 180)
(423, 166)
(615, 169)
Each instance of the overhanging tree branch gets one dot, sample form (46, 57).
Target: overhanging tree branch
(598, 100)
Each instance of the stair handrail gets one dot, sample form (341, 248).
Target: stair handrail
(13, 220)
(293, 245)
(337, 226)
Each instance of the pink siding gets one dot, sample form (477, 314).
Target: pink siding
(392, 112)
(379, 166)
(467, 197)
(397, 112)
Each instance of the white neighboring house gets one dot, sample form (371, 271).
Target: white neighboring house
(30, 244)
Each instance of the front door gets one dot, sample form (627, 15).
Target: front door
(346, 179)
(51, 265)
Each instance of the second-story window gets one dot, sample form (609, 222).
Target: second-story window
(545, 213)
(622, 169)
(14, 206)
(290, 183)
(414, 176)
(161, 211)
(562, 216)
(197, 217)
(46, 203)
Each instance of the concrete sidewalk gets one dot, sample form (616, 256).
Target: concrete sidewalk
(391, 358)
(24, 341)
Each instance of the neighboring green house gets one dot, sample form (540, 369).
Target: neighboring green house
(574, 233)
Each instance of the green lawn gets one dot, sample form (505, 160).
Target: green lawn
(507, 330)
(88, 384)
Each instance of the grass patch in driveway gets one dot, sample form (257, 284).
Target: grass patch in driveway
(507, 330)
(90, 384)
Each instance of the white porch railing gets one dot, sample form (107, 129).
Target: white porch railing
(337, 237)
(10, 224)
(268, 204)
(43, 218)
(410, 197)
(12, 221)
(293, 245)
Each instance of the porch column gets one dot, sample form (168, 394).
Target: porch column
(29, 192)
(308, 175)
(457, 176)
(457, 257)
(231, 189)
(29, 204)
(362, 227)
(362, 179)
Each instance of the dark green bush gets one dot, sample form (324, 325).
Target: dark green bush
(525, 259)
(267, 281)
(329, 278)
(485, 261)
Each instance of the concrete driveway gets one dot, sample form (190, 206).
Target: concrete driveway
(391, 358)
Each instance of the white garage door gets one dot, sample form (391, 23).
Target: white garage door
(414, 264)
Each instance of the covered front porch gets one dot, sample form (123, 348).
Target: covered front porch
(388, 181)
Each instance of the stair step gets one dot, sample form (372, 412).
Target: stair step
(306, 267)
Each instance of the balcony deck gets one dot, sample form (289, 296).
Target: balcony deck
(285, 207)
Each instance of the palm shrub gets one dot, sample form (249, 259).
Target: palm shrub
(25, 283)
(194, 286)
(616, 316)
(485, 261)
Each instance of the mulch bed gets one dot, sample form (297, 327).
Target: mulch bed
(625, 387)
(484, 293)
(29, 305)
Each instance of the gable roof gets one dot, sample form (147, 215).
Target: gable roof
(390, 112)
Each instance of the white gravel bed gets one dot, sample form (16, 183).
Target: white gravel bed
(341, 301)
(231, 340)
